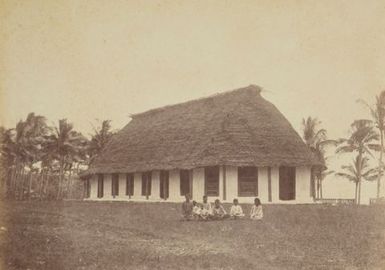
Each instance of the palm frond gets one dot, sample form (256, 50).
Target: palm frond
(347, 176)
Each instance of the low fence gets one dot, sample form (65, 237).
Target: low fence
(378, 201)
(41, 186)
(335, 201)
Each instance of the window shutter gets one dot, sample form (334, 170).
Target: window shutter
(212, 181)
(247, 181)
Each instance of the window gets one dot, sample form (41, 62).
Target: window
(100, 185)
(164, 184)
(129, 184)
(287, 183)
(184, 176)
(146, 184)
(212, 181)
(115, 185)
(247, 181)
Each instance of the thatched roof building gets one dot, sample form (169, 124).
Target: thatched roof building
(234, 129)
(238, 128)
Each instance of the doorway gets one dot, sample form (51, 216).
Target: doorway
(287, 183)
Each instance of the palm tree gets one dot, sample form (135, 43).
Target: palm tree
(21, 147)
(361, 141)
(321, 175)
(100, 138)
(5, 163)
(36, 131)
(358, 170)
(9, 153)
(316, 140)
(378, 115)
(65, 145)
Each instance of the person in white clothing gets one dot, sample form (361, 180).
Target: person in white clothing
(236, 210)
(256, 212)
(196, 210)
(206, 209)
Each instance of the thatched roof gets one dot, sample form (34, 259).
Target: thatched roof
(238, 128)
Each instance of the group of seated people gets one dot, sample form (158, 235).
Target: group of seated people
(205, 211)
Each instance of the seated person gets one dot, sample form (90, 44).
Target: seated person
(196, 210)
(187, 208)
(256, 212)
(206, 209)
(236, 210)
(218, 211)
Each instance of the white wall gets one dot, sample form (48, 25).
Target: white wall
(275, 184)
(302, 185)
(231, 183)
(137, 187)
(174, 186)
(221, 169)
(263, 188)
(94, 187)
(122, 186)
(198, 184)
(155, 185)
(107, 187)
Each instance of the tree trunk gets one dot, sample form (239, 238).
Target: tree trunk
(41, 184)
(359, 171)
(359, 192)
(21, 195)
(356, 193)
(380, 164)
(14, 181)
(30, 183)
(10, 184)
(18, 177)
(6, 182)
(46, 184)
(69, 184)
(320, 188)
(61, 174)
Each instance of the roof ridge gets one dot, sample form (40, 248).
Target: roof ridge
(251, 88)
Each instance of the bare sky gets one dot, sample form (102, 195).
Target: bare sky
(84, 60)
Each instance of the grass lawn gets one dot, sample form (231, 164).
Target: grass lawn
(117, 235)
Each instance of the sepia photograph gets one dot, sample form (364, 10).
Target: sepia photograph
(176, 134)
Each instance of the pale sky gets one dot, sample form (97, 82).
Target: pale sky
(87, 60)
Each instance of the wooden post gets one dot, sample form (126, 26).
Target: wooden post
(30, 184)
(269, 183)
(190, 177)
(224, 182)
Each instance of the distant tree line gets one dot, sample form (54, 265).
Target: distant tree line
(365, 138)
(43, 162)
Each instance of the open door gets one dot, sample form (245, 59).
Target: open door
(287, 183)
(164, 184)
